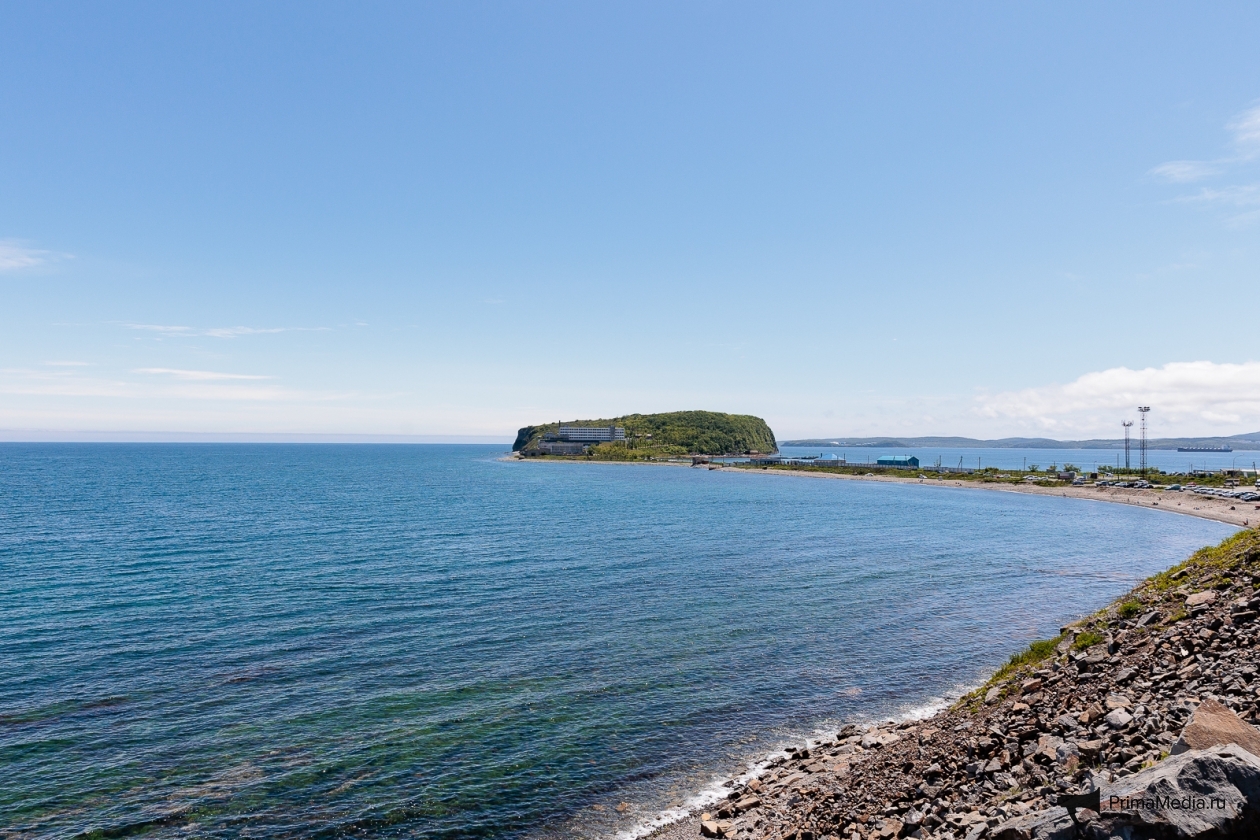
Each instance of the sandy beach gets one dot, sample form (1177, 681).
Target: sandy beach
(1231, 511)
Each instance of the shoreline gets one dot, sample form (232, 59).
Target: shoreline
(840, 785)
(684, 823)
(1243, 514)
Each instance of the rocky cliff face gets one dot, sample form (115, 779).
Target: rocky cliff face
(1169, 670)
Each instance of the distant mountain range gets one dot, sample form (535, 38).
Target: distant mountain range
(1245, 441)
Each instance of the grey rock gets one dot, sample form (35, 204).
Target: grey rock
(1054, 824)
(1198, 794)
(1118, 719)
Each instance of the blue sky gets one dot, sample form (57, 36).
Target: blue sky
(456, 219)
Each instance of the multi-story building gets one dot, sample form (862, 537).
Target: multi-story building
(592, 434)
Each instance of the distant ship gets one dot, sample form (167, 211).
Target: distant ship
(1204, 449)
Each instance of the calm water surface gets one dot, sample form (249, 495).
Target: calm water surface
(425, 641)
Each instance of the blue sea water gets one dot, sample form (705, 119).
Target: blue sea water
(428, 641)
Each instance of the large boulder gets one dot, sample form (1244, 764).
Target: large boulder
(1199, 794)
(1213, 724)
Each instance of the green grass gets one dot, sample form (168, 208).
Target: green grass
(1129, 609)
(1087, 640)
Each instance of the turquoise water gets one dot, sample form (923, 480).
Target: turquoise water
(427, 641)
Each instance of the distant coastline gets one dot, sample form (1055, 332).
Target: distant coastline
(1249, 440)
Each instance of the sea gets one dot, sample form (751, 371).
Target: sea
(324, 641)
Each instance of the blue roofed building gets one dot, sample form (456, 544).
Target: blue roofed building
(908, 462)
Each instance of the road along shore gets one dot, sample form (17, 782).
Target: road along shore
(1150, 704)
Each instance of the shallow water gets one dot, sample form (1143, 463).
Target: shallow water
(299, 640)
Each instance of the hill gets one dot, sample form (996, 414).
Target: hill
(664, 435)
(1244, 441)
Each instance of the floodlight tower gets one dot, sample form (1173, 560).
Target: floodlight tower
(1126, 424)
(1143, 409)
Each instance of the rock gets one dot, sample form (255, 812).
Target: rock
(876, 738)
(1148, 619)
(889, 829)
(1118, 719)
(991, 696)
(1031, 686)
(1054, 824)
(747, 804)
(1213, 724)
(1066, 750)
(622, 807)
(1198, 794)
(1090, 749)
(1200, 598)
(1048, 746)
(708, 828)
(1118, 701)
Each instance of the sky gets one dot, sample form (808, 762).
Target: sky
(450, 220)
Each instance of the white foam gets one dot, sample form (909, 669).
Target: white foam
(721, 786)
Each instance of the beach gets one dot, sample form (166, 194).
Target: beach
(1230, 511)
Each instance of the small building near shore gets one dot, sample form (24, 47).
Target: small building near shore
(907, 462)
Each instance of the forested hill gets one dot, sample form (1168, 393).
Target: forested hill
(673, 433)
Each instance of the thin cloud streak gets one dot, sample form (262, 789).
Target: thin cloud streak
(198, 375)
(218, 332)
(1185, 171)
(15, 257)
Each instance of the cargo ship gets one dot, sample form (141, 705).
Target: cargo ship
(1204, 449)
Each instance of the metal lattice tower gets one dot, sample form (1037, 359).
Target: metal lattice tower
(1126, 424)
(1142, 409)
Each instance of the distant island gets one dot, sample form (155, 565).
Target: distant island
(642, 437)
(1205, 444)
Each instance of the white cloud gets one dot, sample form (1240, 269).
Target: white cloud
(15, 257)
(1187, 398)
(1246, 128)
(197, 375)
(1240, 195)
(1185, 171)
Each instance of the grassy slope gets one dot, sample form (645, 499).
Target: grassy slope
(1205, 569)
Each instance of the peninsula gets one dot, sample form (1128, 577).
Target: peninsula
(644, 437)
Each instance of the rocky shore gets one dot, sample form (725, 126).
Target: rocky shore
(1149, 704)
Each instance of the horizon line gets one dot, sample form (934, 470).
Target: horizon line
(87, 436)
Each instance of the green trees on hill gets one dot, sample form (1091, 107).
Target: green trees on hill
(673, 433)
